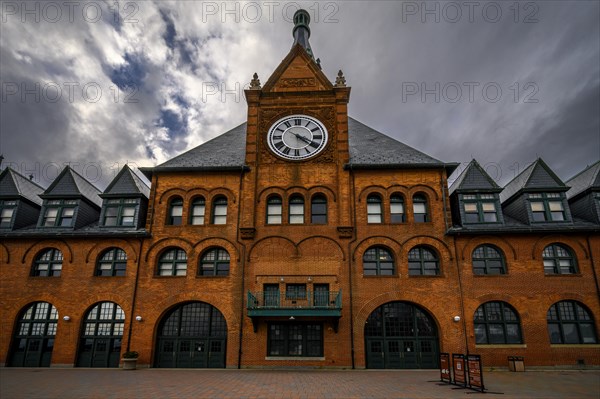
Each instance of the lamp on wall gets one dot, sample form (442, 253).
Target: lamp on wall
(282, 279)
(457, 318)
(292, 318)
(66, 318)
(310, 279)
(139, 318)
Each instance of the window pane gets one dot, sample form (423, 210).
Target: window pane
(539, 216)
(488, 206)
(557, 216)
(480, 334)
(471, 207)
(419, 208)
(490, 217)
(587, 333)
(177, 210)
(537, 206)
(570, 333)
(555, 206)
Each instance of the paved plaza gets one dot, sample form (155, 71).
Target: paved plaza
(285, 384)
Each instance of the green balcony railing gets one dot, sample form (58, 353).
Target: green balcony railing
(305, 303)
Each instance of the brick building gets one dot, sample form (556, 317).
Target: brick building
(301, 238)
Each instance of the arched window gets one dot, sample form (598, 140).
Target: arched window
(173, 262)
(559, 259)
(374, 209)
(497, 323)
(319, 209)
(113, 262)
(214, 262)
(274, 209)
(488, 260)
(569, 322)
(100, 343)
(397, 214)
(423, 261)
(48, 263)
(219, 212)
(34, 336)
(296, 214)
(420, 213)
(175, 211)
(197, 211)
(378, 261)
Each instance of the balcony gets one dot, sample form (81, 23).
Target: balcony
(326, 304)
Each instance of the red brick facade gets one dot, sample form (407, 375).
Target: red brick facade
(305, 253)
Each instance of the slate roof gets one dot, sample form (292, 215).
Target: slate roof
(536, 177)
(126, 183)
(368, 149)
(14, 184)
(474, 178)
(226, 151)
(512, 225)
(371, 149)
(71, 184)
(588, 178)
(91, 230)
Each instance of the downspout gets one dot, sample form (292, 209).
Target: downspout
(593, 265)
(243, 267)
(353, 214)
(445, 207)
(462, 298)
(135, 287)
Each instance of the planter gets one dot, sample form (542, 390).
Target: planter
(129, 364)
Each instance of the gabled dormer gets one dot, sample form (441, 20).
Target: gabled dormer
(125, 201)
(584, 194)
(19, 200)
(474, 198)
(70, 202)
(536, 197)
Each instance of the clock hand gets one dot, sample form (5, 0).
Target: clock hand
(299, 136)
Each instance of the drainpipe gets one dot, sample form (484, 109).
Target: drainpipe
(593, 265)
(243, 267)
(353, 213)
(462, 298)
(135, 287)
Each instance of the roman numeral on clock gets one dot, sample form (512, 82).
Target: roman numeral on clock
(297, 122)
(279, 145)
(287, 124)
(287, 150)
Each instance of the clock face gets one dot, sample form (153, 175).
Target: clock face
(297, 137)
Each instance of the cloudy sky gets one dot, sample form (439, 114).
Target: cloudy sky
(98, 84)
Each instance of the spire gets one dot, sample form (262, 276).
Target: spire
(301, 30)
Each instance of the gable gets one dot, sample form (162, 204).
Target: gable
(127, 183)
(474, 178)
(542, 177)
(297, 72)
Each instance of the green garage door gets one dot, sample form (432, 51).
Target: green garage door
(400, 335)
(100, 342)
(34, 336)
(193, 335)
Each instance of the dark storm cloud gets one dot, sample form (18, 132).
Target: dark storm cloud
(547, 69)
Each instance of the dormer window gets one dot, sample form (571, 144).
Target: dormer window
(480, 208)
(120, 212)
(547, 207)
(59, 213)
(7, 212)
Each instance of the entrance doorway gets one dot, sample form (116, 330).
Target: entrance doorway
(400, 335)
(192, 335)
(34, 336)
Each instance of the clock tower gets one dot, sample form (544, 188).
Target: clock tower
(297, 129)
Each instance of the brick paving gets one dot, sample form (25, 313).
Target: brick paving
(285, 384)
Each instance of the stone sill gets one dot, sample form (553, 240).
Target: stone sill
(575, 346)
(500, 346)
